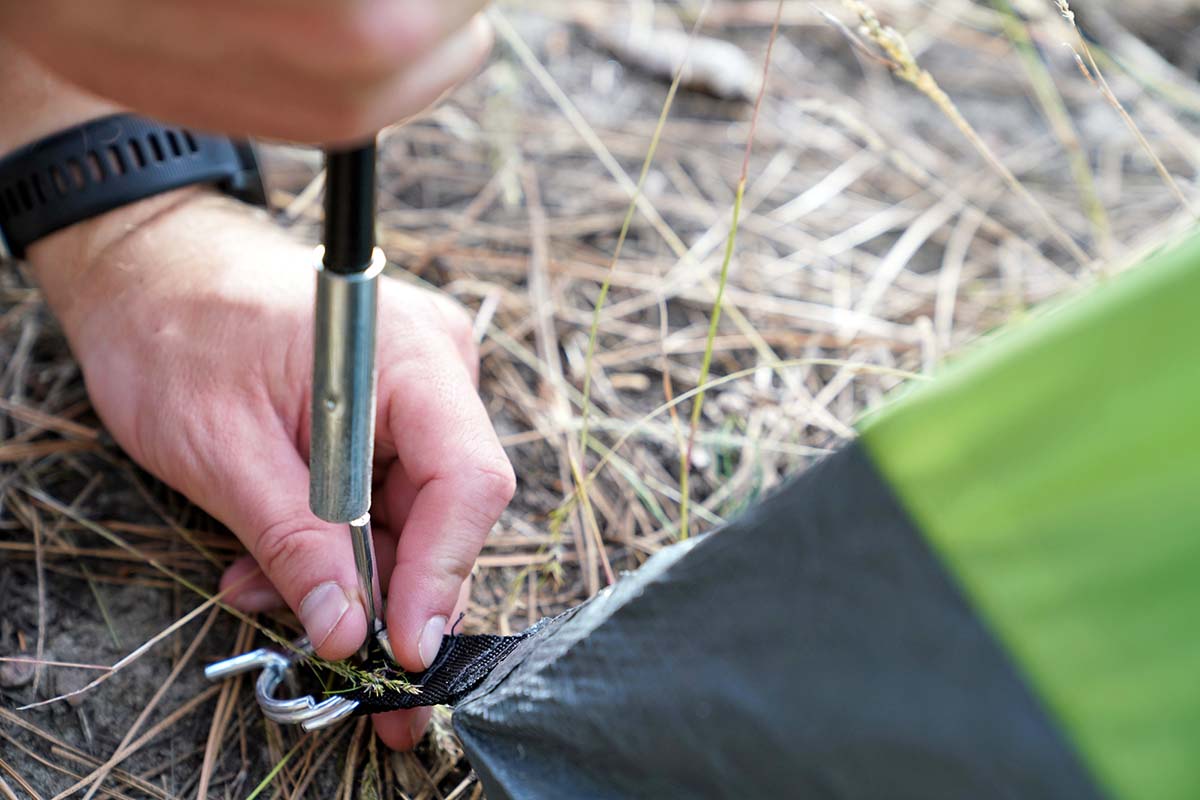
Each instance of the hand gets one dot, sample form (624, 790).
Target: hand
(191, 317)
(302, 70)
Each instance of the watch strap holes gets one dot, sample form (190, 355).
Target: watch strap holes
(139, 155)
(95, 168)
(24, 195)
(88, 169)
(156, 148)
(10, 202)
(60, 181)
(75, 170)
(35, 180)
(173, 143)
(116, 162)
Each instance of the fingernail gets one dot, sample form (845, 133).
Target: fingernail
(321, 610)
(431, 640)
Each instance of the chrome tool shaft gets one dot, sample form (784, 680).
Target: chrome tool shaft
(342, 444)
(368, 578)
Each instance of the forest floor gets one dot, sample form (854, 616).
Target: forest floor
(875, 240)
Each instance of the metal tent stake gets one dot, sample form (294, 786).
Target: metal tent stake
(306, 711)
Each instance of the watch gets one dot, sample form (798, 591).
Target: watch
(84, 171)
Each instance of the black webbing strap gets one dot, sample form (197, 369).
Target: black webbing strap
(462, 663)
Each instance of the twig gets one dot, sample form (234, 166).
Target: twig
(221, 715)
(904, 66)
(626, 222)
(97, 776)
(16, 776)
(265, 782)
(1097, 79)
(593, 551)
(635, 426)
(132, 656)
(40, 572)
(685, 464)
(1055, 112)
(62, 664)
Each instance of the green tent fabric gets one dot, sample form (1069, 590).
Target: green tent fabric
(993, 593)
(1057, 473)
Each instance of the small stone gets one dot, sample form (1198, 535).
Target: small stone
(14, 674)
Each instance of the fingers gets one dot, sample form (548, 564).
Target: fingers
(459, 327)
(399, 730)
(396, 498)
(402, 730)
(254, 591)
(424, 83)
(323, 74)
(449, 451)
(261, 493)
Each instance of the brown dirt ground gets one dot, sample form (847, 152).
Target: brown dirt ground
(874, 235)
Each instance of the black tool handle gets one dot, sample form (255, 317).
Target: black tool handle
(349, 209)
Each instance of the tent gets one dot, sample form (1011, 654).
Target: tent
(993, 592)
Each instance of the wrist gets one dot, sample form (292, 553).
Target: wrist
(90, 263)
(74, 265)
(36, 105)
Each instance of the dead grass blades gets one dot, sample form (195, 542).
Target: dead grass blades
(679, 300)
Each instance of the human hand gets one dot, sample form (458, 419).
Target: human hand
(301, 70)
(191, 317)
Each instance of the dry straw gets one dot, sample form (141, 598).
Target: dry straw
(625, 253)
(899, 59)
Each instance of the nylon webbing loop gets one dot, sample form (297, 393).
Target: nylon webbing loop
(462, 663)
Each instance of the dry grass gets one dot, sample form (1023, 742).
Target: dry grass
(874, 236)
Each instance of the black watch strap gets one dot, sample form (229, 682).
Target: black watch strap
(113, 161)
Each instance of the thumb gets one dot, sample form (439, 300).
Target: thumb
(262, 496)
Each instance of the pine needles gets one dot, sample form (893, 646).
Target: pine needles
(900, 60)
(685, 463)
(768, 272)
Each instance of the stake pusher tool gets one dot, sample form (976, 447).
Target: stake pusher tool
(341, 453)
(342, 442)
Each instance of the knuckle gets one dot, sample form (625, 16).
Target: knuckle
(492, 483)
(281, 543)
(455, 564)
